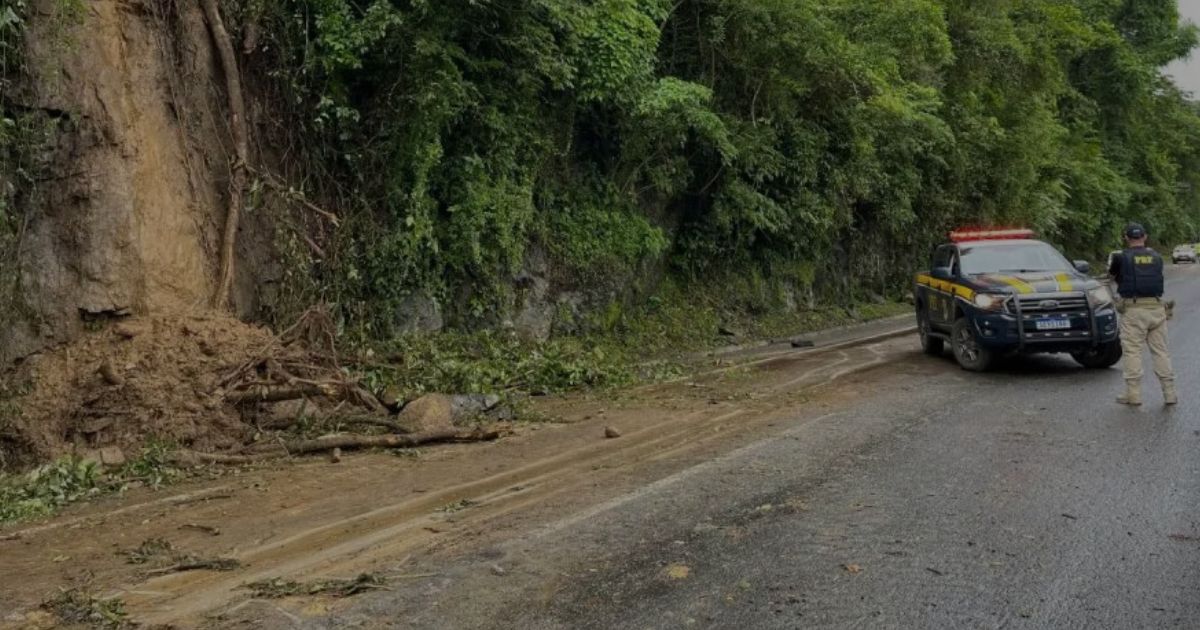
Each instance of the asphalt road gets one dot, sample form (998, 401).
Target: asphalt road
(1024, 498)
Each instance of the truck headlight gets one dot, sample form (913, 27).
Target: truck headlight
(1100, 296)
(990, 301)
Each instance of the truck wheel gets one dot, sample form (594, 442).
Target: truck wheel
(933, 346)
(967, 351)
(1101, 357)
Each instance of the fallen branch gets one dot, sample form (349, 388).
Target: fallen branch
(375, 422)
(279, 588)
(278, 393)
(343, 442)
(333, 419)
(346, 442)
(366, 399)
(207, 529)
(199, 499)
(199, 564)
(292, 194)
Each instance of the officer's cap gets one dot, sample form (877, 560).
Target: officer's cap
(1135, 231)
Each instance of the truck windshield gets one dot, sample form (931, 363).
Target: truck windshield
(1027, 257)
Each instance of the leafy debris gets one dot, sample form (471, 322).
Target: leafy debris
(277, 588)
(79, 606)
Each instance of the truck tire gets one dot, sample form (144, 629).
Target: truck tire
(970, 355)
(1099, 358)
(933, 346)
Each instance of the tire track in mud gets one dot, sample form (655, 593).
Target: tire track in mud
(344, 547)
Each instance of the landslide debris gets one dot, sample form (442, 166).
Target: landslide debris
(214, 388)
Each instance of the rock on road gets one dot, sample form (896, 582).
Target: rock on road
(1024, 498)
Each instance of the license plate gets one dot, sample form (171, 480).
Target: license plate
(1052, 324)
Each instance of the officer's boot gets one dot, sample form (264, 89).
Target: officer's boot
(1170, 396)
(1133, 392)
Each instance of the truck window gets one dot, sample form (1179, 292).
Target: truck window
(942, 256)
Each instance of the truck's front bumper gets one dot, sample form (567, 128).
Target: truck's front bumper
(999, 332)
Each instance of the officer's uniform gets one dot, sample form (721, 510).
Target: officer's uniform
(1138, 272)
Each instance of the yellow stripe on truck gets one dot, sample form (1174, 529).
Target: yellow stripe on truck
(1064, 282)
(1020, 285)
(946, 286)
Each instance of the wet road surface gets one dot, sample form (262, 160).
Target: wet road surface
(1024, 498)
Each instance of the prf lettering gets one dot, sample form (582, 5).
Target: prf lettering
(1143, 260)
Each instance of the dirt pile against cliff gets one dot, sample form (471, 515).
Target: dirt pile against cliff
(214, 389)
(129, 382)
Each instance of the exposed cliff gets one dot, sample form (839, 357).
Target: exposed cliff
(125, 212)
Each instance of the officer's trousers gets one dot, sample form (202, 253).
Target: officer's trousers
(1145, 325)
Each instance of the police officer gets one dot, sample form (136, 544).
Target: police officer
(1138, 271)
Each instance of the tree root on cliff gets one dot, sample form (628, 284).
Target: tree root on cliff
(240, 130)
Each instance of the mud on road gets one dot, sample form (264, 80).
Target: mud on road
(379, 513)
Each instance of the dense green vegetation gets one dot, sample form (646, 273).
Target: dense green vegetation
(820, 144)
(775, 149)
(48, 488)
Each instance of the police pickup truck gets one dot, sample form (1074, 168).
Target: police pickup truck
(993, 293)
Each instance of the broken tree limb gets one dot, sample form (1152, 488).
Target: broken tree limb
(365, 398)
(346, 442)
(291, 194)
(239, 128)
(333, 419)
(278, 393)
(198, 564)
(343, 442)
(376, 421)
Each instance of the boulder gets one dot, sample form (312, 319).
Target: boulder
(431, 412)
(112, 456)
(466, 406)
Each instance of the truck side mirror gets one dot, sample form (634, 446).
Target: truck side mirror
(940, 272)
(1082, 266)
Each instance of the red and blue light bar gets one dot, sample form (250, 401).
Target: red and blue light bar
(990, 234)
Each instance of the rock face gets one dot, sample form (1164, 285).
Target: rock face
(419, 313)
(534, 309)
(129, 218)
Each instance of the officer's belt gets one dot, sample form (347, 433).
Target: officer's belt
(1149, 301)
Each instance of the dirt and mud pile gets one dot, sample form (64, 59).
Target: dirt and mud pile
(132, 381)
(214, 389)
